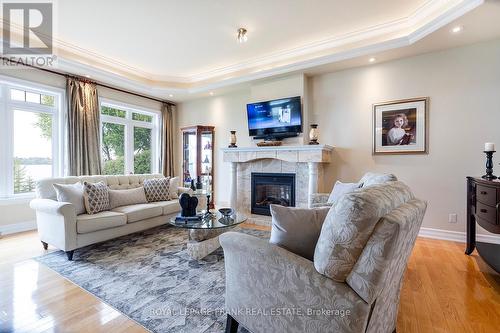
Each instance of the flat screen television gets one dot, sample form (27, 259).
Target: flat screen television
(277, 119)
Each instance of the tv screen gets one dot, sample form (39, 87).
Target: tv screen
(275, 117)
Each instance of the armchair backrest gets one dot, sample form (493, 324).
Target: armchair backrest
(45, 190)
(378, 273)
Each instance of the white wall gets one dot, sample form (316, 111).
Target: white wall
(464, 89)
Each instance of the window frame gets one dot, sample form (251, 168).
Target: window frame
(7, 110)
(129, 124)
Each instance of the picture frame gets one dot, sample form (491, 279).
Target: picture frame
(400, 127)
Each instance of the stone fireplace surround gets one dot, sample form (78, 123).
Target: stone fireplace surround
(305, 161)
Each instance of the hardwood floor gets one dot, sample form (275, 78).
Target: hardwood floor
(444, 291)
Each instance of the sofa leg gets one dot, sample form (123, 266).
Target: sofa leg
(231, 325)
(45, 245)
(70, 254)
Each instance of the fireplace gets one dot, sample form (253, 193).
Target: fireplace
(272, 188)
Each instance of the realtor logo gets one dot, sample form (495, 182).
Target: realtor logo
(33, 23)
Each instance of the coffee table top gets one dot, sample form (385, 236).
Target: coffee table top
(215, 221)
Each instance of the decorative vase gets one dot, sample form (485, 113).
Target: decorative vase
(232, 140)
(313, 135)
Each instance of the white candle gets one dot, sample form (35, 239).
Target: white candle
(489, 146)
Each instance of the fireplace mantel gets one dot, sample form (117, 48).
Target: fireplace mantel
(308, 158)
(310, 153)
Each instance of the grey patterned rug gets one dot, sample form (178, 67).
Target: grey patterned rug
(151, 279)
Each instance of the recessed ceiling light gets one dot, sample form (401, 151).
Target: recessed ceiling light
(87, 76)
(211, 93)
(372, 59)
(456, 29)
(170, 95)
(242, 35)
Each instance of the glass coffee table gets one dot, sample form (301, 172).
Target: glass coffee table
(204, 234)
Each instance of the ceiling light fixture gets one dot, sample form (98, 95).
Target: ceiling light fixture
(242, 35)
(211, 93)
(456, 29)
(170, 95)
(372, 59)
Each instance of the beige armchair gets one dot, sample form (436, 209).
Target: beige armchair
(269, 289)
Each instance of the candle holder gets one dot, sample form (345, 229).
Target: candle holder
(208, 213)
(489, 165)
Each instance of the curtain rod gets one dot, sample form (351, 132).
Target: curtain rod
(67, 75)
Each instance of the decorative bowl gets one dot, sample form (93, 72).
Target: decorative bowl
(226, 212)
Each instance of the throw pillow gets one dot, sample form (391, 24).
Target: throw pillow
(350, 223)
(72, 193)
(371, 178)
(96, 197)
(157, 189)
(174, 188)
(339, 189)
(297, 229)
(132, 196)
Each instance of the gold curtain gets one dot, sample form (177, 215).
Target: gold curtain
(84, 156)
(167, 140)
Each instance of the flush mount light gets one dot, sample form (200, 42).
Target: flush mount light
(372, 59)
(242, 35)
(456, 29)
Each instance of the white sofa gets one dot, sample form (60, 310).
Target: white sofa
(59, 225)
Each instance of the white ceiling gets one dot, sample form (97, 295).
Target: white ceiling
(180, 39)
(183, 49)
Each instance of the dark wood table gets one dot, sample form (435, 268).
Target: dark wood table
(483, 208)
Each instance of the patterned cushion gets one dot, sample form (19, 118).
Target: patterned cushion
(157, 189)
(339, 189)
(96, 197)
(350, 223)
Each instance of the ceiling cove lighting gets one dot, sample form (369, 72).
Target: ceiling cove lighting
(457, 29)
(372, 59)
(242, 35)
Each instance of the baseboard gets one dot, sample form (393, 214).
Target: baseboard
(456, 236)
(17, 227)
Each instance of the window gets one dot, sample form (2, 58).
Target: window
(30, 127)
(130, 137)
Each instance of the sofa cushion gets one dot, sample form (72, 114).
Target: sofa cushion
(297, 229)
(168, 207)
(118, 198)
(72, 193)
(86, 223)
(157, 189)
(350, 223)
(139, 212)
(174, 187)
(96, 197)
(339, 189)
(372, 178)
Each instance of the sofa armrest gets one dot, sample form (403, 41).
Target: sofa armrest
(262, 278)
(319, 200)
(53, 207)
(56, 223)
(182, 189)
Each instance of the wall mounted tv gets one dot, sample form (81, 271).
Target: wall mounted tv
(276, 119)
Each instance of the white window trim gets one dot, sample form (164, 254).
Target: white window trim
(6, 118)
(129, 131)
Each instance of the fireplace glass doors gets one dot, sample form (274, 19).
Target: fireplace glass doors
(272, 188)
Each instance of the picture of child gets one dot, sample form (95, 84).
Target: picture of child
(397, 130)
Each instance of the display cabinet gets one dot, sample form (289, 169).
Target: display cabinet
(198, 157)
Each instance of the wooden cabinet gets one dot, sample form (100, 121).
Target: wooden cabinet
(483, 208)
(198, 157)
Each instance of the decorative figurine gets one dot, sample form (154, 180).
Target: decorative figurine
(188, 205)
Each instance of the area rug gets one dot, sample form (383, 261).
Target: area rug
(149, 277)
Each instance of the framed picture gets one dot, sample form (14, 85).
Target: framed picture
(400, 127)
